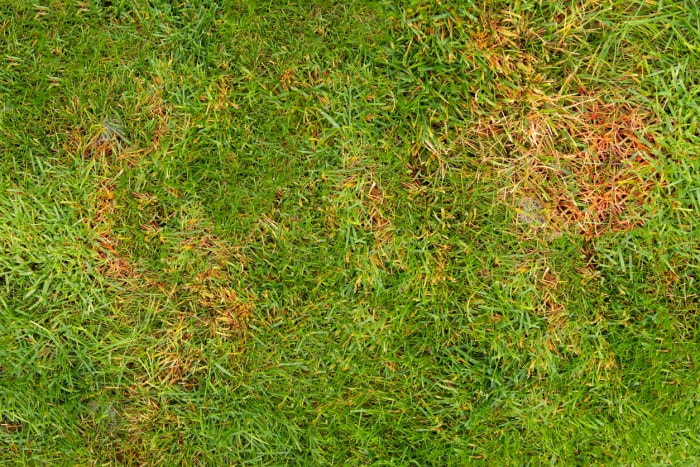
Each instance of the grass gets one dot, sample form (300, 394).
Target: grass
(313, 233)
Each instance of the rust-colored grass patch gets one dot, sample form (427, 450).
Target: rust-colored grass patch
(587, 162)
(113, 265)
(213, 290)
(11, 427)
(612, 170)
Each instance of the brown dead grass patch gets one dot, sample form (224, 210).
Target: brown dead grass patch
(210, 289)
(113, 265)
(555, 312)
(208, 285)
(10, 427)
(216, 286)
(587, 161)
(362, 189)
(213, 290)
(612, 170)
(177, 361)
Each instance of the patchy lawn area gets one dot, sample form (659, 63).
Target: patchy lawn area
(349, 232)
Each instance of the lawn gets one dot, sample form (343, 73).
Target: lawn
(446, 232)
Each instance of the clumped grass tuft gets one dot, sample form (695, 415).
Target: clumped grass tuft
(416, 232)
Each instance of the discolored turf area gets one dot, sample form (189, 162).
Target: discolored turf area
(349, 232)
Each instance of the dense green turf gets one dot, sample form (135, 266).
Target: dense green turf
(314, 233)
